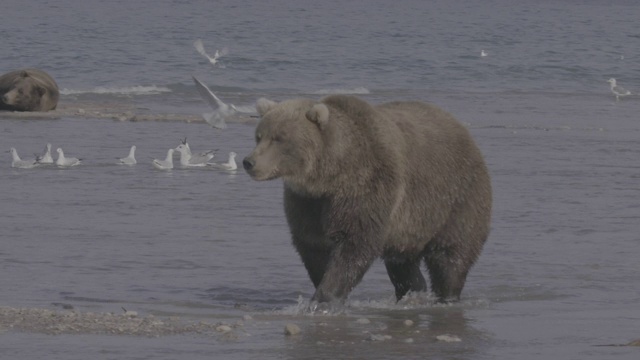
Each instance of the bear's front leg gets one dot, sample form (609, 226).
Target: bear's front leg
(349, 261)
(304, 215)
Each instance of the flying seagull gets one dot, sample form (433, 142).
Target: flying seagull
(618, 90)
(212, 59)
(221, 110)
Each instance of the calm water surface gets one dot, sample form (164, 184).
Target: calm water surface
(558, 275)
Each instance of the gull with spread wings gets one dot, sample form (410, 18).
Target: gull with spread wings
(221, 111)
(212, 59)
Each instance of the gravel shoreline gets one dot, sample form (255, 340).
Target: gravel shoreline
(54, 322)
(118, 112)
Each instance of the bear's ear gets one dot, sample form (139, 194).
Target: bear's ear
(318, 114)
(24, 73)
(263, 105)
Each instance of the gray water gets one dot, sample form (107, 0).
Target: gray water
(557, 276)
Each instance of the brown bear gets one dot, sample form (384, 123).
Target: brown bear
(403, 181)
(28, 90)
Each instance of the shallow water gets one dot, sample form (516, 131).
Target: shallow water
(557, 276)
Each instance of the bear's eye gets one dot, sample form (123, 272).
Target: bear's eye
(277, 138)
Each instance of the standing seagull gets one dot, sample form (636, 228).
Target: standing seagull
(131, 159)
(187, 159)
(220, 109)
(212, 59)
(64, 161)
(203, 156)
(483, 53)
(19, 163)
(46, 157)
(618, 90)
(229, 165)
(166, 164)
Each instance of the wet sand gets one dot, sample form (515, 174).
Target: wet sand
(56, 322)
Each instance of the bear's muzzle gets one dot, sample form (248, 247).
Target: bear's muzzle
(248, 164)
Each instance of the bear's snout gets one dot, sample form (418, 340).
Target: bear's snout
(257, 170)
(248, 164)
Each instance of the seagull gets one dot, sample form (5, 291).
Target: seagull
(63, 161)
(200, 157)
(46, 157)
(213, 60)
(618, 90)
(220, 109)
(187, 159)
(166, 164)
(229, 165)
(483, 53)
(19, 163)
(129, 160)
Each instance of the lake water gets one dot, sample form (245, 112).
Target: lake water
(558, 275)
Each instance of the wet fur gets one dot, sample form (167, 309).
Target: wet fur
(403, 181)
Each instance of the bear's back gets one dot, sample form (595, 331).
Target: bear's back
(41, 77)
(440, 163)
(429, 137)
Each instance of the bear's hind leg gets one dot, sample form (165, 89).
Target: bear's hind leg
(449, 258)
(447, 273)
(405, 276)
(456, 247)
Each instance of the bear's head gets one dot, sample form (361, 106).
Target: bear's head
(25, 94)
(317, 148)
(288, 139)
